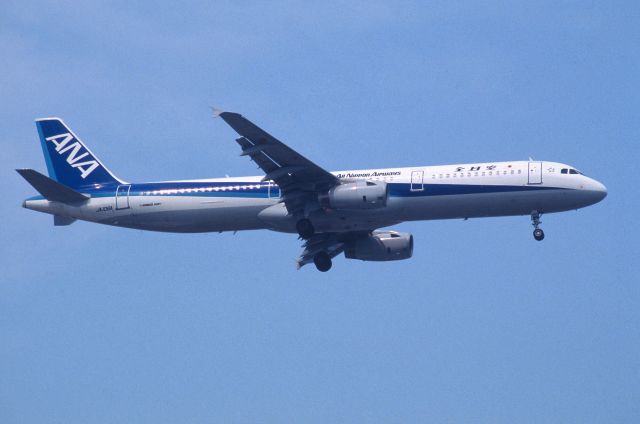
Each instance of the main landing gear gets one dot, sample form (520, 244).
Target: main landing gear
(305, 229)
(538, 234)
(322, 260)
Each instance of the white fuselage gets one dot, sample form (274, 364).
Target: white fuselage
(419, 193)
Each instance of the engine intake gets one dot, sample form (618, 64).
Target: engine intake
(357, 195)
(381, 246)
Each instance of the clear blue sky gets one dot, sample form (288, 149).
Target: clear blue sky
(107, 325)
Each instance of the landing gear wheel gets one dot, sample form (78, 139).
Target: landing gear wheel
(538, 234)
(305, 229)
(322, 260)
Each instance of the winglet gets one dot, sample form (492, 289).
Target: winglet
(216, 111)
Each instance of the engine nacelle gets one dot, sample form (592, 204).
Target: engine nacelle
(381, 246)
(357, 195)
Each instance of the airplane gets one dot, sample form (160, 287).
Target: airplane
(332, 212)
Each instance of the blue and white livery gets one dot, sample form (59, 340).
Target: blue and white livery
(333, 212)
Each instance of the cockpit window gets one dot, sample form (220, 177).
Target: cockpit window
(570, 171)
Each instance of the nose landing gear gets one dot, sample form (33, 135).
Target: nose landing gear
(538, 234)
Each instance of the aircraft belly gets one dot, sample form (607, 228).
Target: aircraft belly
(189, 214)
(488, 204)
(278, 218)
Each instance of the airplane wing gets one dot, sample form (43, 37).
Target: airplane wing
(332, 243)
(299, 179)
(327, 242)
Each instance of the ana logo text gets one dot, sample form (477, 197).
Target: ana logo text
(63, 145)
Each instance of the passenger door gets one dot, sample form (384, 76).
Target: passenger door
(416, 180)
(535, 172)
(122, 196)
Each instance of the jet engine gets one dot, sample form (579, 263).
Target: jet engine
(357, 195)
(380, 246)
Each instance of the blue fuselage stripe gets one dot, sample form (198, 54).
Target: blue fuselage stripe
(262, 190)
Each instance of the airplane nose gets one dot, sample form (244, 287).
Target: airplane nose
(601, 189)
(597, 191)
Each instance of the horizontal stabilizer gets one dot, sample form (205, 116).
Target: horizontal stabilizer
(50, 189)
(59, 220)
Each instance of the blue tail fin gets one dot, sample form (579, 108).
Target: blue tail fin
(69, 161)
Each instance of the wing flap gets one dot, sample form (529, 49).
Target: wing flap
(328, 242)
